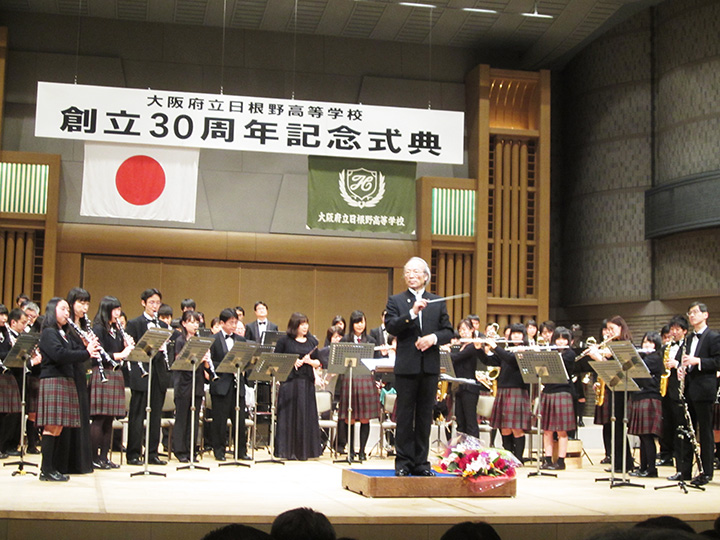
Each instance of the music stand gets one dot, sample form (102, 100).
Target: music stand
(273, 367)
(633, 368)
(258, 350)
(188, 360)
(236, 361)
(270, 338)
(447, 374)
(344, 358)
(537, 367)
(151, 341)
(18, 357)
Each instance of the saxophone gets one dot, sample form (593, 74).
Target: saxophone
(600, 394)
(665, 376)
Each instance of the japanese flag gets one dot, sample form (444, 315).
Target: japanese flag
(139, 182)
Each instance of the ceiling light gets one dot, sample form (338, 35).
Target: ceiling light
(417, 5)
(535, 13)
(479, 10)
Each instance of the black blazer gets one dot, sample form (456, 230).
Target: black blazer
(60, 353)
(137, 328)
(435, 320)
(701, 381)
(226, 381)
(253, 334)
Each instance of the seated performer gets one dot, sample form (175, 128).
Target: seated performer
(298, 430)
(58, 400)
(646, 407)
(557, 404)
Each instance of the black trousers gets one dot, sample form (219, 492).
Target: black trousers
(136, 418)
(223, 407)
(668, 439)
(466, 412)
(701, 413)
(415, 400)
(181, 443)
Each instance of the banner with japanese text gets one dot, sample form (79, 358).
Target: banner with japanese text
(361, 195)
(197, 120)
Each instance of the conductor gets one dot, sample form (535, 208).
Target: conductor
(421, 325)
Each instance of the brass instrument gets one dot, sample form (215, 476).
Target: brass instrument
(442, 391)
(665, 376)
(600, 394)
(592, 342)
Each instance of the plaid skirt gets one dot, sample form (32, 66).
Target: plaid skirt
(365, 398)
(58, 403)
(107, 398)
(511, 409)
(9, 394)
(716, 417)
(645, 417)
(31, 398)
(604, 413)
(558, 412)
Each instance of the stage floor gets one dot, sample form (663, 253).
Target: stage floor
(187, 504)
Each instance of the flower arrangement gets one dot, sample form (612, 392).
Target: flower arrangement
(467, 457)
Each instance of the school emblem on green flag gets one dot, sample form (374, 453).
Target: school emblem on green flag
(361, 195)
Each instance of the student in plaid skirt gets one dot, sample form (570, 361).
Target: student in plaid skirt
(365, 393)
(58, 405)
(107, 399)
(646, 407)
(557, 405)
(9, 394)
(511, 410)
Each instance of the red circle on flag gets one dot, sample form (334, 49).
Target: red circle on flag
(140, 180)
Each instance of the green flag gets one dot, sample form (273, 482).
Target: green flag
(361, 195)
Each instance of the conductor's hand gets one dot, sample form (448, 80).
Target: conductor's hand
(419, 305)
(425, 342)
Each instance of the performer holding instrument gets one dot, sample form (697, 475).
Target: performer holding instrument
(672, 409)
(465, 365)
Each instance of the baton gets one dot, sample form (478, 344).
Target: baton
(448, 297)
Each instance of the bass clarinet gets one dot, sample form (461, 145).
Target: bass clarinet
(690, 431)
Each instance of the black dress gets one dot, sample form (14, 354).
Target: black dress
(298, 431)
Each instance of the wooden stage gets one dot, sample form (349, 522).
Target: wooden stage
(187, 504)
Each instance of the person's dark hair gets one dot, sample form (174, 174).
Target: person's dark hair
(356, 317)
(654, 338)
(302, 524)
(333, 331)
(561, 332)
(547, 325)
(188, 316)
(679, 320)
(259, 303)
(467, 321)
(665, 330)
(531, 322)
(147, 293)
(468, 530)
(50, 320)
(165, 310)
(237, 531)
(4, 310)
(77, 294)
(187, 303)
(519, 327)
(227, 314)
(625, 334)
(296, 319)
(339, 319)
(21, 299)
(240, 309)
(665, 522)
(104, 314)
(15, 314)
(702, 307)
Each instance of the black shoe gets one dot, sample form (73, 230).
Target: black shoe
(650, 473)
(664, 462)
(362, 456)
(135, 461)
(157, 461)
(110, 464)
(402, 472)
(53, 476)
(3, 455)
(13, 453)
(677, 477)
(219, 457)
(424, 472)
(32, 450)
(546, 465)
(183, 459)
(605, 461)
(580, 422)
(556, 466)
(638, 472)
(245, 457)
(700, 480)
(100, 465)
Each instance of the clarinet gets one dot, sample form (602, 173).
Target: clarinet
(126, 341)
(108, 357)
(164, 353)
(211, 368)
(690, 428)
(103, 354)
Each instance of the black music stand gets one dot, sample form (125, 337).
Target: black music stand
(270, 338)
(188, 360)
(633, 368)
(447, 374)
(537, 367)
(275, 368)
(18, 357)
(344, 358)
(258, 350)
(149, 344)
(236, 361)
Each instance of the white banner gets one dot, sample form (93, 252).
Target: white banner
(156, 117)
(137, 182)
